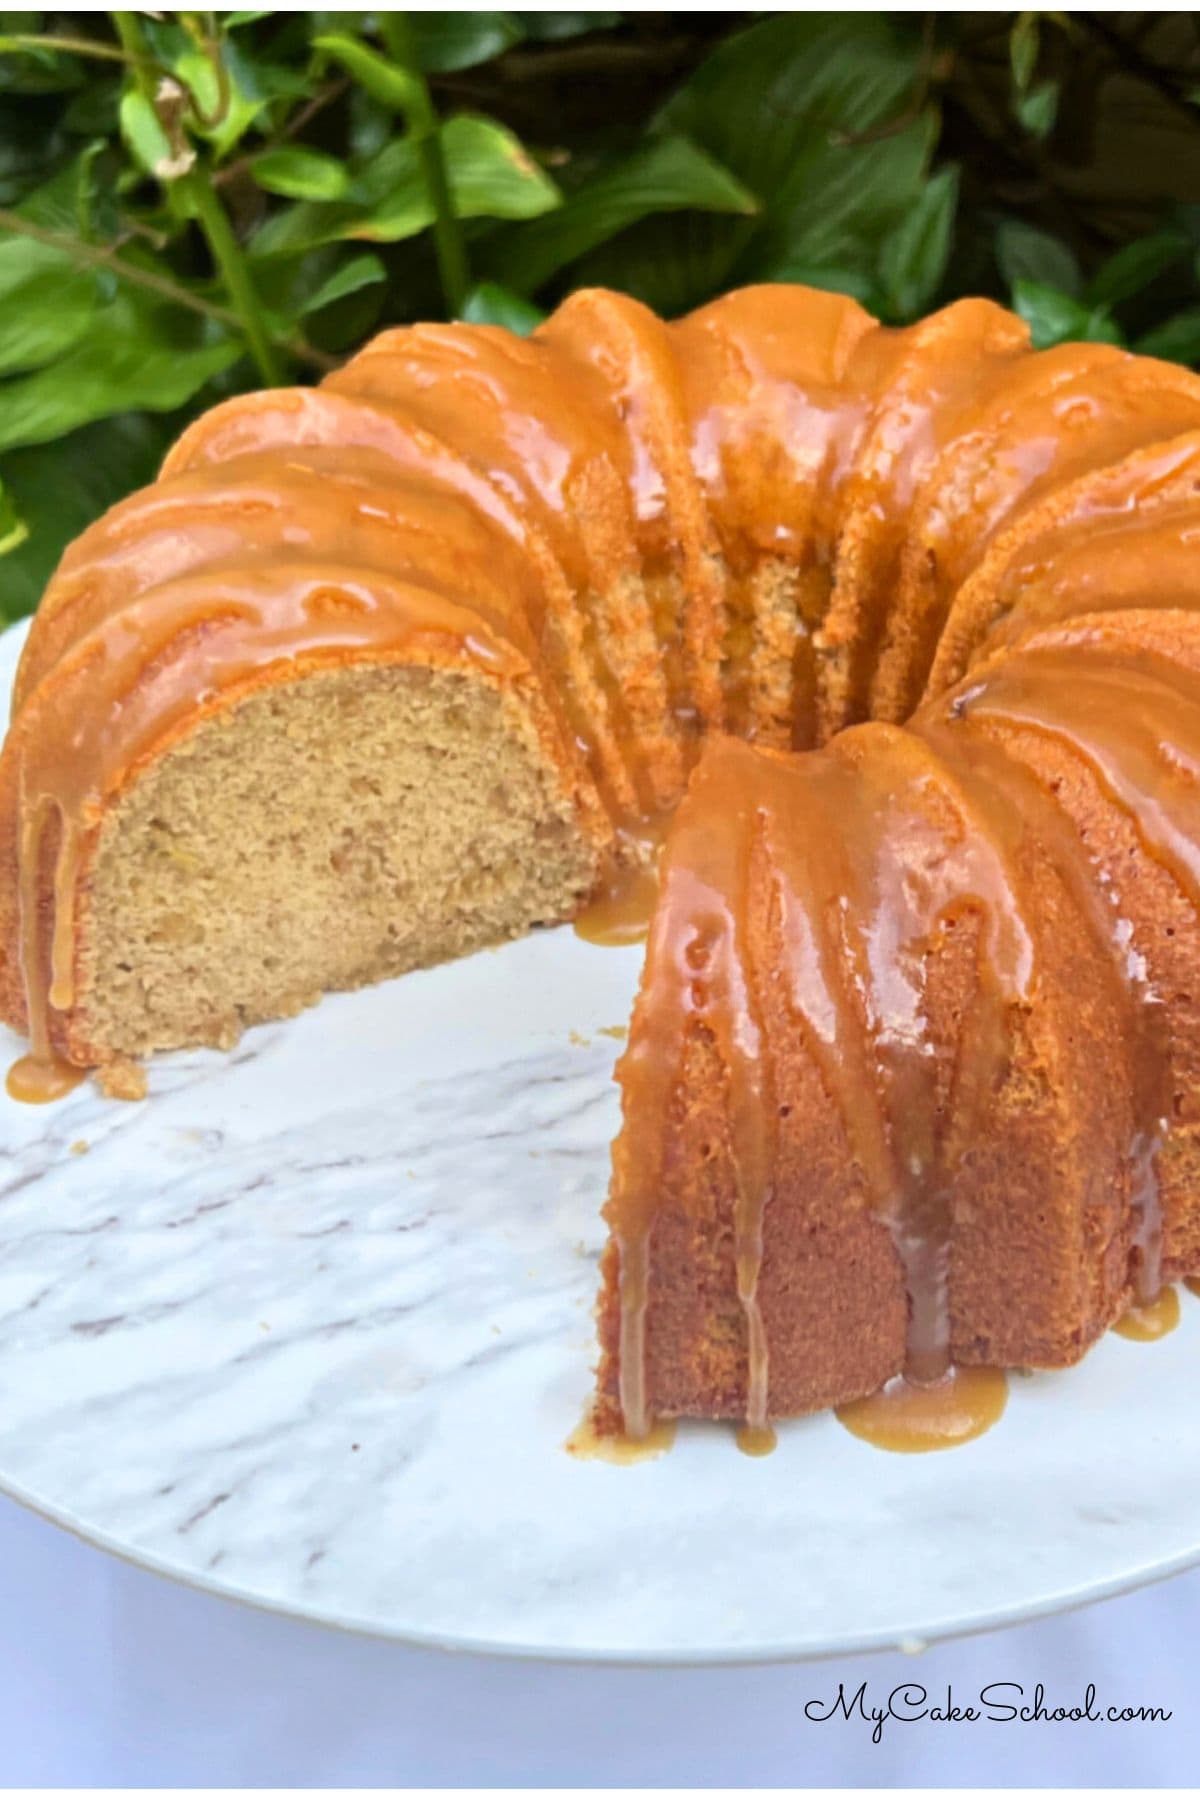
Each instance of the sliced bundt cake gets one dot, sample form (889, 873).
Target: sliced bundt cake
(381, 672)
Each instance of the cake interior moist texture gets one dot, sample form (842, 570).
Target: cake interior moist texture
(891, 632)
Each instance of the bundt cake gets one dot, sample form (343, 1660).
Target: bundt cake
(383, 671)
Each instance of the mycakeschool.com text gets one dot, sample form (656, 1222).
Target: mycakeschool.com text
(999, 1703)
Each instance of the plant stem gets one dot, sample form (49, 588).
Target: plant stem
(70, 46)
(425, 128)
(227, 254)
(128, 28)
(213, 220)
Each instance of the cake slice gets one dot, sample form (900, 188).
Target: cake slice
(246, 787)
(875, 1029)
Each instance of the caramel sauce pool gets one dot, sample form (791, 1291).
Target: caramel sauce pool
(1153, 1320)
(621, 909)
(37, 1080)
(756, 1440)
(911, 1416)
(589, 1445)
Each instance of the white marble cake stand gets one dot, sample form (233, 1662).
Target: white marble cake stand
(310, 1326)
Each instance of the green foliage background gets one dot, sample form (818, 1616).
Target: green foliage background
(194, 203)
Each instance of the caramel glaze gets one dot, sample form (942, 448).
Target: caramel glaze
(1026, 430)
(1042, 564)
(620, 910)
(769, 472)
(908, 1416)
(909, 380)
(1149, 1320)
(591, 1445)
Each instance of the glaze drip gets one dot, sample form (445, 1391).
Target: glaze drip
(705, 981)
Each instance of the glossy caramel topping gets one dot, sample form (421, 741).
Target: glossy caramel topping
(913, 1416)
(772, 418)
(911, 380)
(1149, 1320)
(1097, 565)
(1056, 415)
(524, 413)
(620, 910)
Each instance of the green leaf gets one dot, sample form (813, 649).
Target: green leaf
(558, 27)
(1055, 318)
(392, 87)
(782, 104)
(807, 110)
(1026, 253)
(47, 303)
(352, 276)
(301, 174)
(491, 173)
(1038, 109)
(460, 40)
(137, 354)
(914, 257)
(1177, 339)
(1134, 267)
(858, 200)
(491, 176)
(58, 489)
(667, 174)
(62, 203)
(1023, 44)
(672, 261)
(492, 304)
